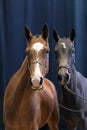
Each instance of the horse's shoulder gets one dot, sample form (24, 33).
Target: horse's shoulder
(49, 85)
(12, 83)
(81, 77)
(49, 82)
(14, 78)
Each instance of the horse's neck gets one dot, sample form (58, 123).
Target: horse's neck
(24, 64)
(73, 78)
(22, 75)
(24, 68)
(21, 83)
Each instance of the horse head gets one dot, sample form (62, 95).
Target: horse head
(64, 51)
(38, 55)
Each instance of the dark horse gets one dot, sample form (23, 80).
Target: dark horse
(30, 99)
(74, 85)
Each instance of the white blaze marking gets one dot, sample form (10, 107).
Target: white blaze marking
(37, 70)
(64, 46)
(37, 46)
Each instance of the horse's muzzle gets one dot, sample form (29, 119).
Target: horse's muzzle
(63, 76)
(36, 82)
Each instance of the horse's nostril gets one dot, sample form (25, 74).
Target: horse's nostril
(63, 77)
(59, 77)
(30, 81)
(41, 80)
(67, 77)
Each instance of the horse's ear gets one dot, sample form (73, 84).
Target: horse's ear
(55, 36)
(27, 32)
(45, 32)
(72, 35)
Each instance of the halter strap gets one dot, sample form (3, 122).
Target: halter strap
(70, 109)
(66, 67)
(37, 62)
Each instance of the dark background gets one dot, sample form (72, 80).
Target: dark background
(63, 15)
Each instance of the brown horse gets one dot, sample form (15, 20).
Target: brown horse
(30, 99)
(74, 84)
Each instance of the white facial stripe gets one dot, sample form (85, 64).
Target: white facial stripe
(64, 45)
(37, 70)
(37, 46)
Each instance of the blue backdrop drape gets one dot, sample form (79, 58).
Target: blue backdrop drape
(62, 15)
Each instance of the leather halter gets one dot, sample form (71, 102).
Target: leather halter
(69, 109)
(66, 67)
(38, 62)
(43, 66)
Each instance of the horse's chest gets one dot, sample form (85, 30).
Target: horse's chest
(74, 118)
(71, 105)
(22, 109)
(28, 108)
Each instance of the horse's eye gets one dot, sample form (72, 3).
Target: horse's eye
(56, 53)
(73, 52)
(73, 49)
(27, 52)
(47, 51)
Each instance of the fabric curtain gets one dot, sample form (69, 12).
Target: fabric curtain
(62, 15)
